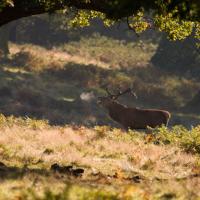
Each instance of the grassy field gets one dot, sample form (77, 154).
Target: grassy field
(57, 143)
(117, 165)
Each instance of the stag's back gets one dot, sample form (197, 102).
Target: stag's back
(141, 118)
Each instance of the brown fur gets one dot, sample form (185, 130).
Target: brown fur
(134, 118)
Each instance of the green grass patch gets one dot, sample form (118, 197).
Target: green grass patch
(188, 140)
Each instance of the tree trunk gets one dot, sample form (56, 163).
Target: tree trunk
(4, 37)
(180, 57)
(193, 105)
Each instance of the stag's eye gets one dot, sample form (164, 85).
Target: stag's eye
(99, 100)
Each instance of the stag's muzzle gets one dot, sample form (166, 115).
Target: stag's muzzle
(99, 100)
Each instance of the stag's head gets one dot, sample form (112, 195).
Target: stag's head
(105, 101)
(110, 99)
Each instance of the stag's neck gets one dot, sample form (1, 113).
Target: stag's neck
(116, 106)
(116, 110)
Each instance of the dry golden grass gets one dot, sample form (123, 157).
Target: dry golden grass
(126, 165)
(87, 147)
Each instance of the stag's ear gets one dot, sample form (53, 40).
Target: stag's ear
(113, 98)
(135, 95)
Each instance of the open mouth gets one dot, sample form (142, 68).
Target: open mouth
(98, 101)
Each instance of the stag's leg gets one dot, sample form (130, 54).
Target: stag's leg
(148, 131)
(125, 128)
(167, 123)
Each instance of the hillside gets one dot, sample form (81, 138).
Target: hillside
(85, 68)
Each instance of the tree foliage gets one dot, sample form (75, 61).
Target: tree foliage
(178, 18)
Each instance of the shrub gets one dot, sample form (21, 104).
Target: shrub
(27, 122)
(188, 140)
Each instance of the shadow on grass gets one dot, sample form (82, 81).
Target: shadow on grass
(7, 172)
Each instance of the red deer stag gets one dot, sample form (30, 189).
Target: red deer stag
(133, 118)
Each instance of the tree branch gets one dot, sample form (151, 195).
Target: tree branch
(131, 28)
(113, 9)
(26, 8)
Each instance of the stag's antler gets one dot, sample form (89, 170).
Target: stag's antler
(109, 93)
(120, 93)
(133, 93)
(128, 90)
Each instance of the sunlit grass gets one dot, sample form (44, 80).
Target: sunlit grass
(114, 53)
(113, 160)
(12, 121)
